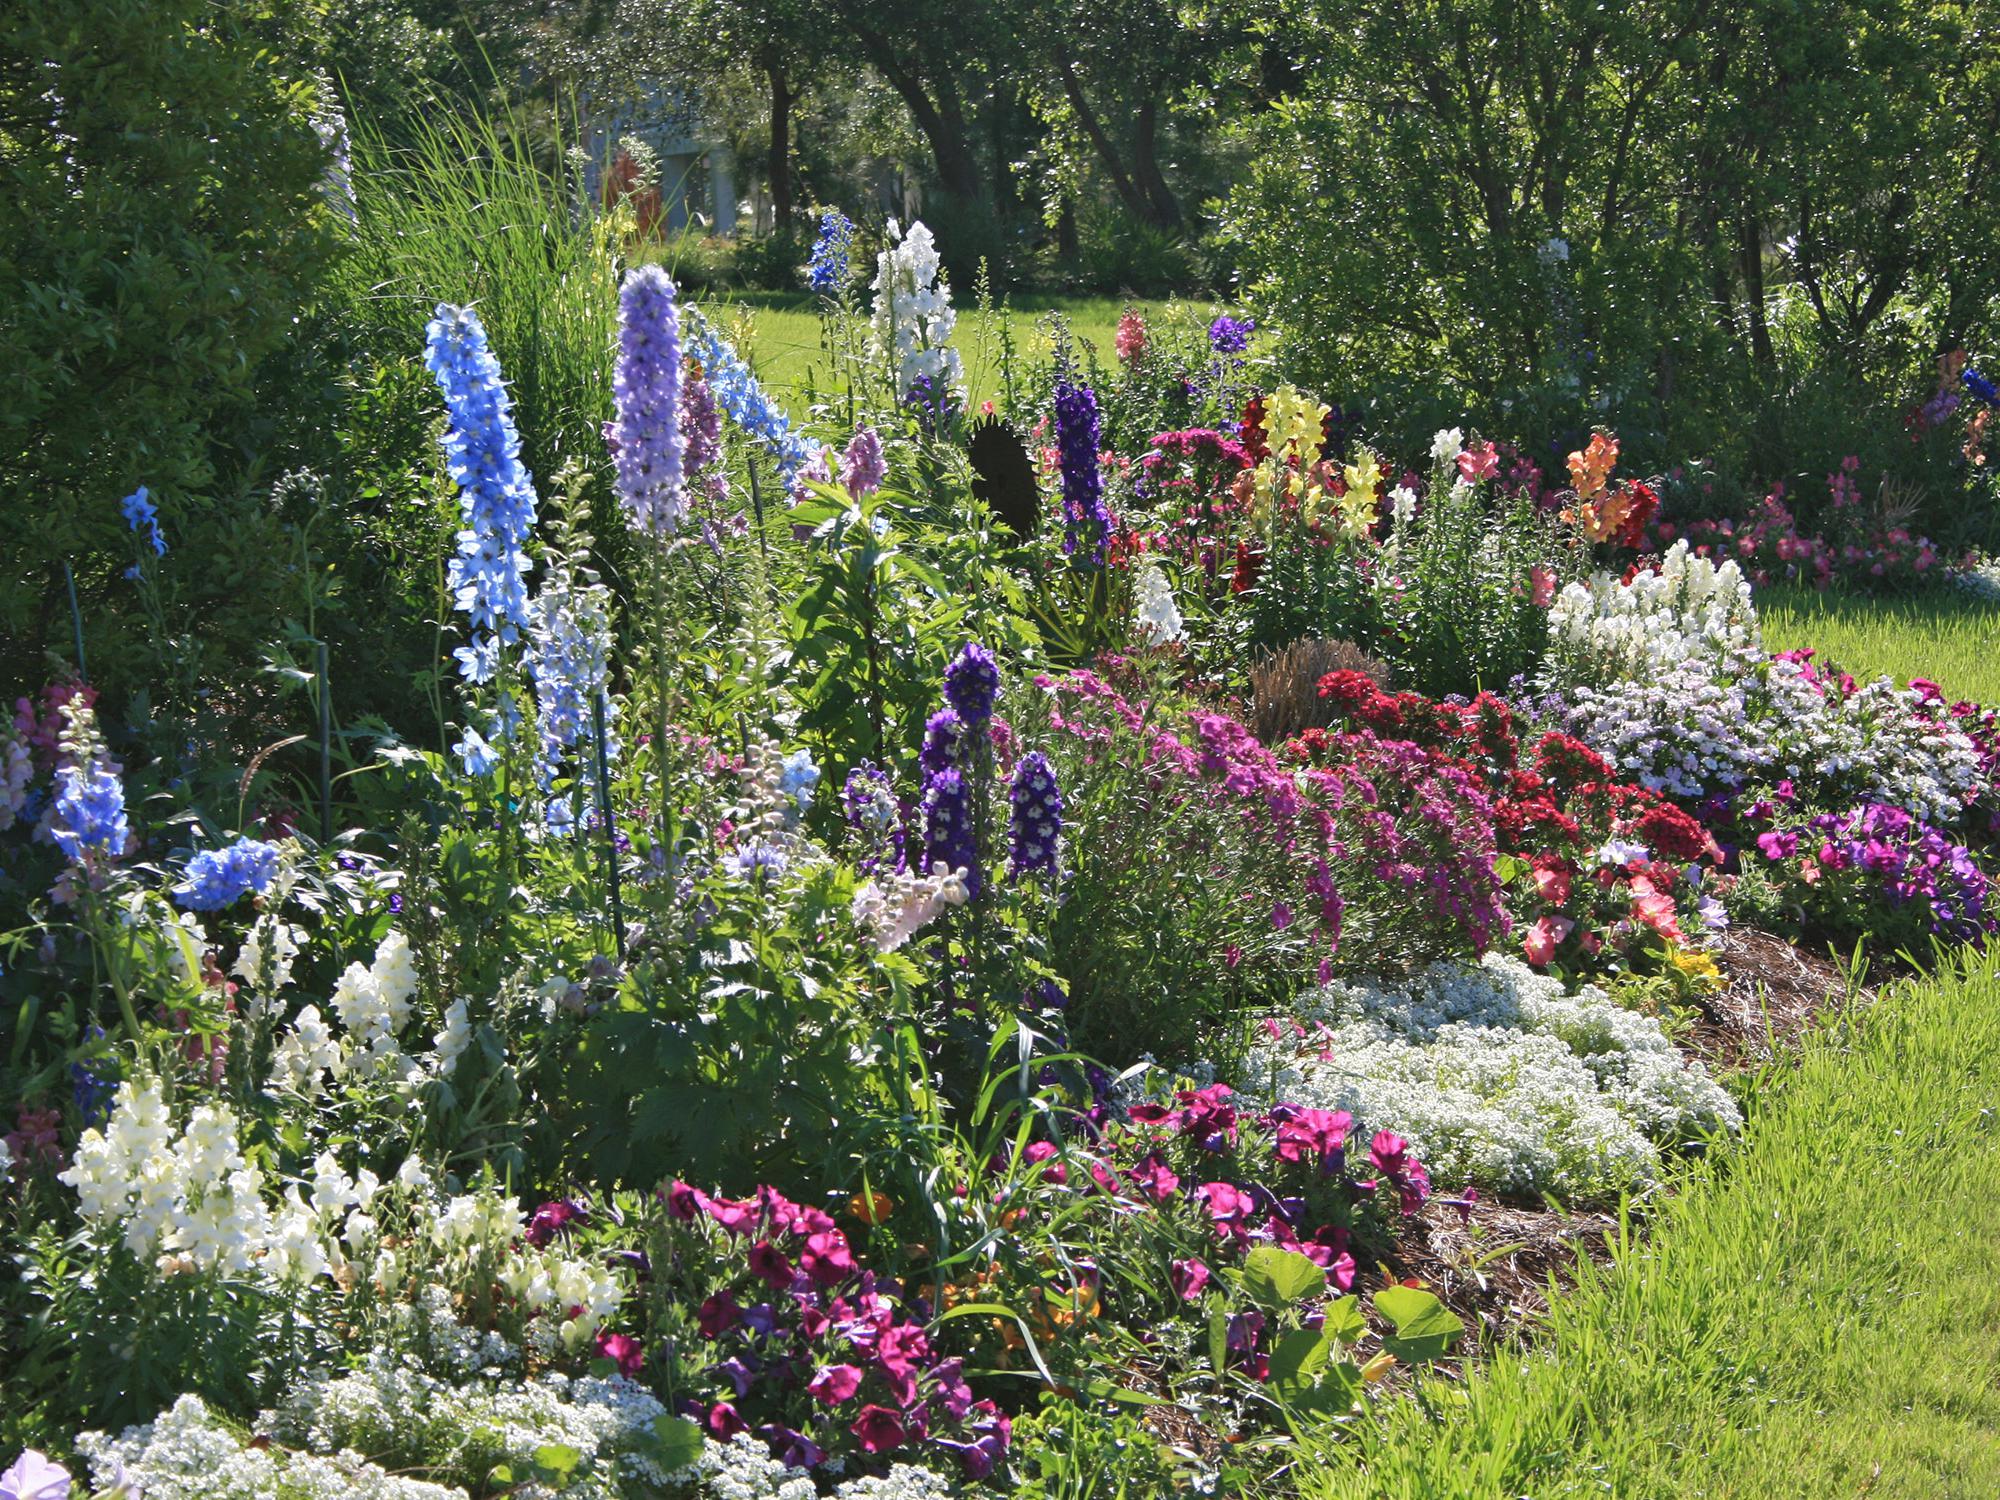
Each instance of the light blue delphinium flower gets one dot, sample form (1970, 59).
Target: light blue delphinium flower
(796, 779)
(89, 813)
(736, 391)
(141, 515)
(219, 878)
(496, 494)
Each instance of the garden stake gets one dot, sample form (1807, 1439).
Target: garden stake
(610, 830)
(76, 623)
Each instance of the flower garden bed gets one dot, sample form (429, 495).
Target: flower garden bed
(852, 1003)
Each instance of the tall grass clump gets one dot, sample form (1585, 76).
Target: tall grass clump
(470, 209)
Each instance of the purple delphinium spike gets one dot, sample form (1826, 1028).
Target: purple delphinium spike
(1035, 816)
(971, 683)
(1086, 521)
(646, 390)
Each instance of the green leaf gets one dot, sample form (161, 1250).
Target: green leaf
(1297, 1359)
(679, 1439)
(1279, 1277)
(1344, 1323)
(1425, 1327)
(558, 1458)
(1218, 1340)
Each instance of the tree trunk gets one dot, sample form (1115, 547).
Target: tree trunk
(1166, 213)
(1750, 258)
(781, 147)
(1066, 242)
(939, 121)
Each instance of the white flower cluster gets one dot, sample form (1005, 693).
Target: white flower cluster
(264, 963)
(390, 1405)
(188, 1453)
(190, 1198)
(1980, 579)
(1497, 1077)
(743, 1469)
(1687, 609)
(484, 1229)
(893, 909)
(374, 1004)
(913, 313)
(1157, 616)
(17, 769)
(1692, 731)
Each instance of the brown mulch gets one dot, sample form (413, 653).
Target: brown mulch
(1772, 992)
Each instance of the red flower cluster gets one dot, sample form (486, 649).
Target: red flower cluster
(1556, 809)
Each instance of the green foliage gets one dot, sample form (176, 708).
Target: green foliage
(164, 228)
(1697, 225)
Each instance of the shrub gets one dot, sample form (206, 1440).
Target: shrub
(164, 228)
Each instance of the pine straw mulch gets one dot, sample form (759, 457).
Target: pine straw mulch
(1493, 1263)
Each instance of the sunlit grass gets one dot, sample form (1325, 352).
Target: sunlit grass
(1821, 1318)
(1944, 634)
(786, 336)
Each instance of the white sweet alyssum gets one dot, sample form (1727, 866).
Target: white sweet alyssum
(913, 314)
(1497, 1077)
(392, 1405)
(187, 1453)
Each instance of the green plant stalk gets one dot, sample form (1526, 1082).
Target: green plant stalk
(609, 823)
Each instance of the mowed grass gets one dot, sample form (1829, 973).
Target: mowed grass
(1821, 1318)
(784, 340)
(1945, 634)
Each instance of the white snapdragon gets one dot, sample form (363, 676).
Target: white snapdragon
(306, 1053)
(1157, 616)
(374, 1002)
(913, 314)
(454, 1039)
(1447, 445)
(1686, 609)
(190, 1194)
(265, 961)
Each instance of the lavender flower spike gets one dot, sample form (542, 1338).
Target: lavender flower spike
(646, 392)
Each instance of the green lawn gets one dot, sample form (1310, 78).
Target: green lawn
(1821, 1319)
(784, 340)
(1949, 636)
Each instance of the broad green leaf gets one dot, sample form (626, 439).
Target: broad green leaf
(1278, 1277)
(679, 1439)
(1297, 1358)
(1425, 1327)
(557, 1458)
(1344, 1323)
